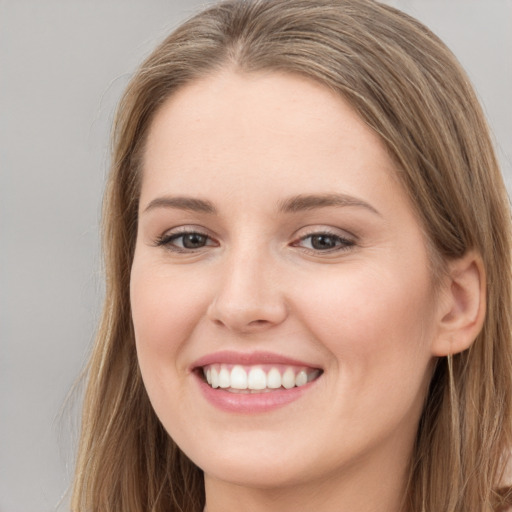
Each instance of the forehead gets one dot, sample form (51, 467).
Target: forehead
(260, 126)
(239, 100)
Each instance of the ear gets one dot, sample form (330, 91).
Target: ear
(462, 305)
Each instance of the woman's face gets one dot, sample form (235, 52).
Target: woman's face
(276, 251)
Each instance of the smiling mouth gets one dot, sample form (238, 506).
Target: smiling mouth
(257, 378)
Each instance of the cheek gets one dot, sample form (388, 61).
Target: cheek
(164, 309)
(376, 328)
(372, 322)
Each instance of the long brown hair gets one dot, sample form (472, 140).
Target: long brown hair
(409, 88)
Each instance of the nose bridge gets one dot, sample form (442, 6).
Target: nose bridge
(248, 296)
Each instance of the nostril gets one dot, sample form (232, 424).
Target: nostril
(258, 322)
(257, 325)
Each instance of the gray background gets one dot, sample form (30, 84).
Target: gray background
(63, 65)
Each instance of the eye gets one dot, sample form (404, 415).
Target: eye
(324, 242)
(185, 241)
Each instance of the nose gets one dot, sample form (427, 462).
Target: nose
(249, 297)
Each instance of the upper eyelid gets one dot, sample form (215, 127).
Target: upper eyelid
(327, 233)
(324, 230)
(347, 240)
(185, 229)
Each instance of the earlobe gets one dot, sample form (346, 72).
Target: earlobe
(462, 307)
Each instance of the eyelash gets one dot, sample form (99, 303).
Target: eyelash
(168, 241)
(340, 243)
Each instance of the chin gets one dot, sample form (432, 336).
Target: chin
(267, 475)
(252, 462)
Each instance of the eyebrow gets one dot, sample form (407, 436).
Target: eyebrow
(310, 202)
(290, 205)
(182, 203)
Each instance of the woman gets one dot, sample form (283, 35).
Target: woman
(308, 274)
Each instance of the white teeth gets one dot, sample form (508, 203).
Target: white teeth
(224, 378)
(301, 378)
(255, 379)
(215, 378)
(288, 378)
(238, 378)
(274, 379)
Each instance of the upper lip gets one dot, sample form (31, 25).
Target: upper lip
(248, 359)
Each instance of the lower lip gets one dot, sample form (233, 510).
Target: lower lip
(251, 403)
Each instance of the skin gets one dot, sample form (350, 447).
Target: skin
(364, 312)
